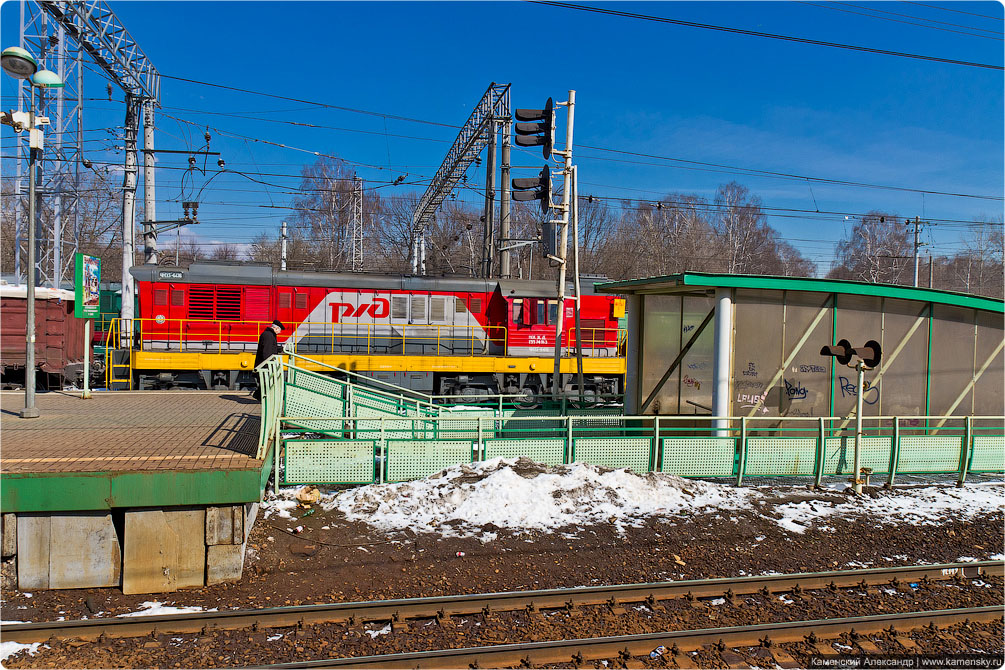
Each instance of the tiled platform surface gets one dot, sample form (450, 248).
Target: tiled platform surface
(129, 431)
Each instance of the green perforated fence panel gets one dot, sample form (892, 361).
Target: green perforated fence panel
(414, 459)
(550, 451)
(302, 402)
(333, 388)
(780, 456)
(329, 462)
(839, 454)
(929, 453)
(614, 452)
(699, 456)
(988, 454)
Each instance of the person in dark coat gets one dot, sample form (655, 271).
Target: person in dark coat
(268, 345)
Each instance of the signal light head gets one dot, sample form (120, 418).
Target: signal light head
(842, 351)
(870, 354)
(527, 133)
(541, 185)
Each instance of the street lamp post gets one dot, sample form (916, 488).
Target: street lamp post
(21, 65)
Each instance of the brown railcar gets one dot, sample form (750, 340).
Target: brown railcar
(59, 335)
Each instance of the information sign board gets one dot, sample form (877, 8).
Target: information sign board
(87, 287)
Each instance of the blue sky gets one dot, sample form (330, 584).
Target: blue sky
(641, 86)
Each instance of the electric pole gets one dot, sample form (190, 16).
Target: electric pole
(282, 252)
(488, 249)
(504, 203)
(563, 242)
(917, 245)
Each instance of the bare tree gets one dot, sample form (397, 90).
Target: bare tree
(876, 250)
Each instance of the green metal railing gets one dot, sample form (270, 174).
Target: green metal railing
(335, 431)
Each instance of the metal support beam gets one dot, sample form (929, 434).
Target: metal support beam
(722, 360)
(129, 217)
(149, 190)
(471, 139)
(504, 202)
(488, 246)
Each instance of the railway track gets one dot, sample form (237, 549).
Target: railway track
(625, 647)
(440, 607)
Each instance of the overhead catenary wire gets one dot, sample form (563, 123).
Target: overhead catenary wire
(756, 33)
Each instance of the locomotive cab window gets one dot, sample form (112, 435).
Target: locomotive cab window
(552, 311)
(518, 311)
(540, 312)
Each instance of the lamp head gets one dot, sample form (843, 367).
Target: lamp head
(46, 79)
(18, 63)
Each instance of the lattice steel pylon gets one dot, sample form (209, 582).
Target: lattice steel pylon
(98, 33)
(471, 139)
(357, 224)
(58, 191)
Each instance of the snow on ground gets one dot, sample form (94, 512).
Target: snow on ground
(8, 649)
(924, 505)
(520, 495)
(154, 608)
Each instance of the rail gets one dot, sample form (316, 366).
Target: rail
(573, 653)
(454, 605)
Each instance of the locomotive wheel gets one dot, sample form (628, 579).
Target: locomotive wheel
(529, 399)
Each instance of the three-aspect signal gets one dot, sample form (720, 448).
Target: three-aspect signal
(540, 134)
(534, 188)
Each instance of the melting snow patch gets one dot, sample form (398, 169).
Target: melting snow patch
(966, 559)
(717, 601)
(787, 601)
(279, 507)
(383, 631)
(522, 495)
(273, 638)
(997, 557)
(154, 608)
(924, 505)
(8, 649)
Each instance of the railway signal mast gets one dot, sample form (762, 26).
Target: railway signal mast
(869, 357)
(536, 127)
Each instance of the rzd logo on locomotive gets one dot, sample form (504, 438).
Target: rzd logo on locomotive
(378, 309)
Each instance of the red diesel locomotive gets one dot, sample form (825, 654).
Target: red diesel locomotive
(440, 335)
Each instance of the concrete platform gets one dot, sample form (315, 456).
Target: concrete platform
(151, 491)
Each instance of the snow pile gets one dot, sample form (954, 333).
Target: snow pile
(926, 505)
(518, 494)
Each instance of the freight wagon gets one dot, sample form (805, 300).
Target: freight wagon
(59, 337)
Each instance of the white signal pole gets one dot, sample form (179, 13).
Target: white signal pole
(563, 243)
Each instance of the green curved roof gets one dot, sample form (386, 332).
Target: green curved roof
(674, 284)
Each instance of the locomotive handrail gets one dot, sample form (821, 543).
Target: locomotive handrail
(373, 338)
(594, 343)
(186, 329)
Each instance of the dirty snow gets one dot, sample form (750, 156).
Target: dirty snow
(924, 505)
(8, 649)
(521, 495)
(155, 608)
(477, 499)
